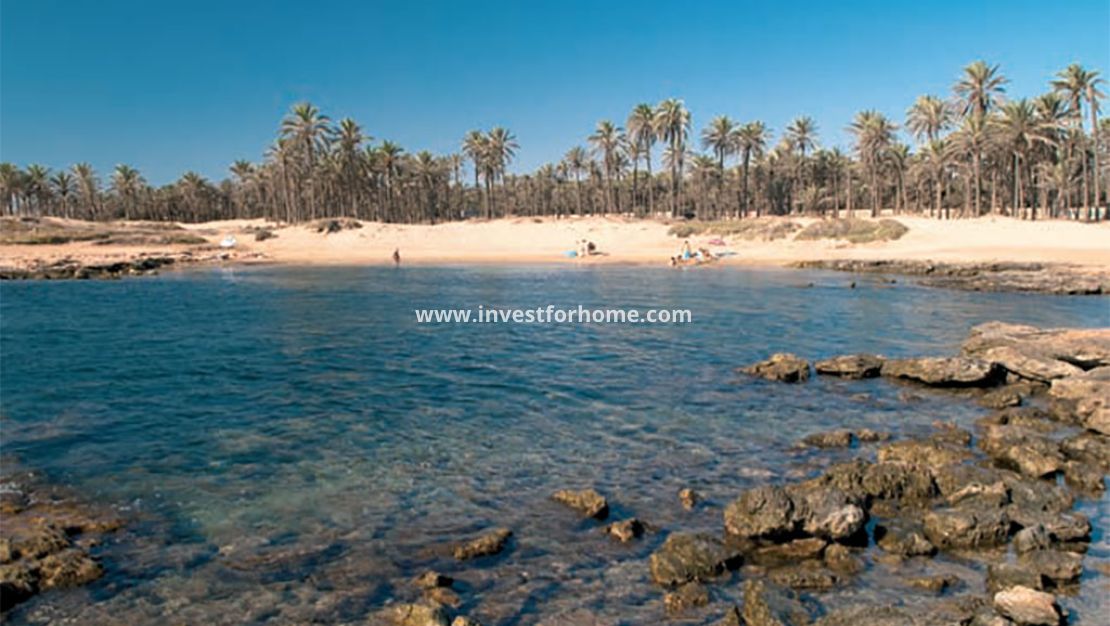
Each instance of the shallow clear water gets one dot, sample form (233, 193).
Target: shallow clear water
(294, 446)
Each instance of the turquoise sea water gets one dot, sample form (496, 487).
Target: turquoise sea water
(293, 447)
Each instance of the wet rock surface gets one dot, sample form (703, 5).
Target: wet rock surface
(71, 269)
(1028, 606)
(687, 557)
(587, 502)
(488, 544)
(782, 367)
(1020, 277)
(852, 366)
(44, 539)
(944, 371)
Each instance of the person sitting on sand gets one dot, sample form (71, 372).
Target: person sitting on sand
(590, 248)
(396, 256)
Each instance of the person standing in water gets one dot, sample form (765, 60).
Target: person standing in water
(396, 256)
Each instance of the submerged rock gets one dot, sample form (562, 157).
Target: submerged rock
(625, 530)
(829, 439)
(432, 579)
(587, 502)
(414, 615)
(804, 577)
(686, 557)
(783, 367)
(686, 597)
(1028, 607)
(489, 544)
(944, 371)
(903, 538)
(853, 366)
(1055, 566)
(689, 498)
(767, 604)
(790, 551)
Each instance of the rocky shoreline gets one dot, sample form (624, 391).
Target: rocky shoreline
(1003, 277)
(47, 539)
(989, 497)
(999, 498)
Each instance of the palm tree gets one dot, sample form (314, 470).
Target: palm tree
(970, 140)
(801, 134)
(63, 185)
(874, 134)
(501, 147)
(309, 130)
(576, 160)
(751, 139)
(10, 179)
(641, 135)
(36, 185)
(720, 138)
(126, 182)
(1018, 130)
(88, 185)
(474, 147)
(607, 140)
(936, 155)
(928, 117)
(350, 138)
(388, 156)
(672, 125)
(1079, 84)
(979, 89)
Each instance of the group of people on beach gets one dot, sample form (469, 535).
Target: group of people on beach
(688, 256)
(585, 248)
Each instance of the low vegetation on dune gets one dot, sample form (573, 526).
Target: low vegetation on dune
(766, 229)
(47, 231)
(854, 230)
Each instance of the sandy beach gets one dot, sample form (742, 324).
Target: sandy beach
(618, 240)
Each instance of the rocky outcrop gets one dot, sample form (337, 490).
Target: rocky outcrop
(1085, 399)
(69, 269)
(687, 557)
(1028, 607)
(1083, 348)
(852, 366)
(808, 509)
(587, 502)
(1021, 277)
(783, 367)
(944, 371)
(488, 544)
(768, 604)
(44, 543)
(625, 530)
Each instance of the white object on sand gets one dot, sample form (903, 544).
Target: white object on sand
(228, 242)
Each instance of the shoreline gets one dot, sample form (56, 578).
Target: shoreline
(111, 250)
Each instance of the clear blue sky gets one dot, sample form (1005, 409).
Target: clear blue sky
(172, 86)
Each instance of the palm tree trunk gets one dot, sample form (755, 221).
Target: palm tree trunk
(1094, 133)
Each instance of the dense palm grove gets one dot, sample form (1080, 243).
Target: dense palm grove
(975, 152)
